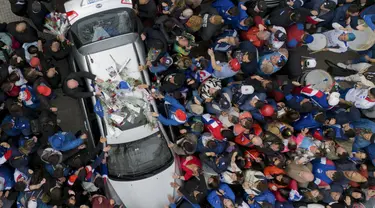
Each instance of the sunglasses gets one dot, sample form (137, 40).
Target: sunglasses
(282, 61)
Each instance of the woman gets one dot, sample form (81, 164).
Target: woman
(356, 195)
(223, 197)
(191, 165)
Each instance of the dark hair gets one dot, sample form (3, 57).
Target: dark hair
(215, 183)
(240, 164)
(188, 147)
(59, 172)
(350, 133)
(284, 192)
(262, 185)
(234, 11)
(227, 133)
(285, 180)
(240, 178)
(363, 196)
(266, 205)
(56, 193)
(54, 159)
(259, 104)
(2, 44)
(99, 182)
(13, 77)
(320, 117)
(32, 49)
(248, 123)
(211, 144)
(7, 86)
(338, 176)
(20, 186)
(372, 91)
(296, 16)
(353, 9)
(16, 110)
(292, 146)
(330, 134)
(249, 21)
(76, 162)
(269, 87)
(234, 120)
(286, 132)
(344, 155)
(293, 115)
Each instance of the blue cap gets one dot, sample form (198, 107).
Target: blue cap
(351, 36)
(308, 39)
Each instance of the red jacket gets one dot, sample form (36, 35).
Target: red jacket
(188, 171)
(294, 33)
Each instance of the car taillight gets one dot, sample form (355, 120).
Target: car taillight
(126, 2)
(71, 15)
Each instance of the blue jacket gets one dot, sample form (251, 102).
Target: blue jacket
(222, 6)
(340, 15)
(367, 15)
(21, 126)
(64, 141)
(158, 66)
(371, 152)
(7, 174)
(220, 146)
(306, 121)
(215, 200)
(266, 196)
(173, 106)
(34, 101)
(320, 167)
(246, 105)
(360, 142)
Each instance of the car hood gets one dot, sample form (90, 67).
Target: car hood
(101, 62)
(148, 192)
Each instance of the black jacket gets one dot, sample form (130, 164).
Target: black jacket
(78, 92)
(64, 51)
(28, 36)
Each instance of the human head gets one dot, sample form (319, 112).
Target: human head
(307, 38)
(228, 134)
(234, 65)
(20, 185)
(72, 84)
(7, 86)
(306, 176)
(21, 27)
(55, 46)
(296, 16)
(320, 117)
(257, 141)
(371, 93)
(216, 20)
(186, 14)
(328, 5)
(248, 21)
(32, 50)
(353, 10)
(234, 11)
(347, 37)
(194, 23)
(260, 6)
(213, 182)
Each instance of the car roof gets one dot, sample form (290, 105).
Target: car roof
(84, 8)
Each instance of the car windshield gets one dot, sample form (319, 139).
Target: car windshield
(103, 25)
(139, 159)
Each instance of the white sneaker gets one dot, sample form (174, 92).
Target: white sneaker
(342, 65)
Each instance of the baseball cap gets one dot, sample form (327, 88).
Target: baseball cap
(34, 62)
(308, 38)
(180, 115)
(44, 90)
(166, 61)
(329, 5)
(235, 64)
(280, 35)
(334, 98)
(247, 89)
(262, 5)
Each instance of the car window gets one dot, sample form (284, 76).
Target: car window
(140, 158)
(103, 25)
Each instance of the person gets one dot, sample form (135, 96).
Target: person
(37, 11)
(296, 36)
(212, 23)
(338, 38)
(73, 85)
(176, 114)
(285, 17)
(223, 197)
(361, 76)
(22, 32)
(361, 98)
(224, 70)
(271, 63)
(233, 15)
(5, 47)
(344, 15)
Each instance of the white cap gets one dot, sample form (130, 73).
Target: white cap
(32, 204)
(311, 63)
(334, 98)
(247, 89)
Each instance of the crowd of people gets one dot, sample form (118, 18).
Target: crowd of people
(250, 135)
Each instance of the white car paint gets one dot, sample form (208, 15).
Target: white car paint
(84, 8)
(152, 191)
